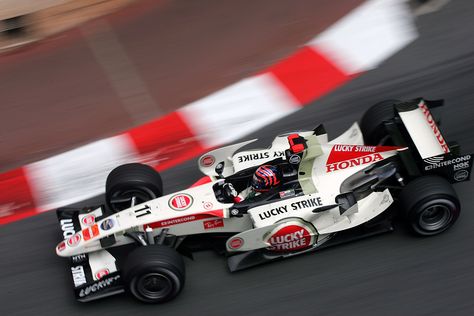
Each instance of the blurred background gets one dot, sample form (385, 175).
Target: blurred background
(89, 84)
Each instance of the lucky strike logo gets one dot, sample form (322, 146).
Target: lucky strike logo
(434, 127)
(290, 238)
(180, 202)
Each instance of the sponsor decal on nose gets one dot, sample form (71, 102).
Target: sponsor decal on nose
(74, 240)
(180, 202)
(107, 224)
(207, 205)
(61, 246)
(88, 220)
(90, 232)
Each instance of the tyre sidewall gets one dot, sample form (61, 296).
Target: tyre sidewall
(149, 189)
(133, 177)
(414, 213)
(154, 259)
(165, 270)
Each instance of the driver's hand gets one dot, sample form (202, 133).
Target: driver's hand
(230, 190)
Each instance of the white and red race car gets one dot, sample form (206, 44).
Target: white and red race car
(332, 191)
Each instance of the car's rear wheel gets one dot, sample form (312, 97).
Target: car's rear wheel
(430, 204)
(372, 121)
(154, 274)
(132, 182)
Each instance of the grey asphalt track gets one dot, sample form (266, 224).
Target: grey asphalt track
(392, 274)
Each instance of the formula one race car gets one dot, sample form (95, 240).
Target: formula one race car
(326, 193)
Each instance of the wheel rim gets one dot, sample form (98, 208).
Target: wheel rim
(154, 286)
(121, 200)
(436, 216)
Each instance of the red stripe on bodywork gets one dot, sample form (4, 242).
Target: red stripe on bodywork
(345, 152)
(308, 75)
(201, 181)
(186, 219)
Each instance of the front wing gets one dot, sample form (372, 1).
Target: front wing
(94, 275)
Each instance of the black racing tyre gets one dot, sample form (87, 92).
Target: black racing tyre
(154, 274)
(371, 123)
(430, 205)
(132, 180)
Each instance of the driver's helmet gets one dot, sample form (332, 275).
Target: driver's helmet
(265, 178)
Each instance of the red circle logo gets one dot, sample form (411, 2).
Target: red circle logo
(61, 246)
(290, 238)
(236, 243)
(88, 220)
(180, 202)
(207, 161)
(101, 273)
(74, 240)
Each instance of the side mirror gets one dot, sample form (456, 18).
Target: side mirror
(220, 169)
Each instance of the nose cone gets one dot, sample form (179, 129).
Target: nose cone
(69, 247)
(60, 248)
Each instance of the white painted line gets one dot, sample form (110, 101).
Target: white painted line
(78, 174)
(368, 35)
(238, 110)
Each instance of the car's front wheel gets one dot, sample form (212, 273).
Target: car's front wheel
(154, 274)
(129, 182)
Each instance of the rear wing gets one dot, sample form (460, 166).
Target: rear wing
(415, 126)
(422, 128)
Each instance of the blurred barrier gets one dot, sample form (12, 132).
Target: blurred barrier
(357, 43)
(31, 22)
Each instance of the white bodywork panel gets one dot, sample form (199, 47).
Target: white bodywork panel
(352, 136)
(299, 206)
(101, 263)
(368, 208)
(327, 178)
(200, 205)
(88, 219)
(221, 154)
(326, 222)
(245, 159)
